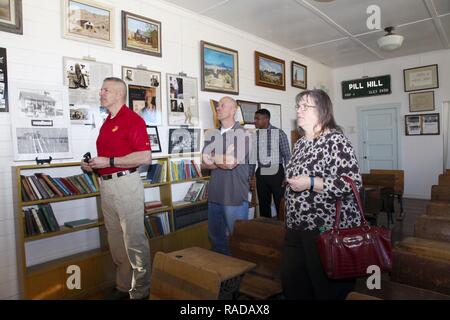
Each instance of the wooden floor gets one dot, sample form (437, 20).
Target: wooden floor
(413, 208)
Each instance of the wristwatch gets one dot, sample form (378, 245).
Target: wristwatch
(111, 162)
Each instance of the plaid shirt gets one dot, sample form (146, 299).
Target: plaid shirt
(272, 158)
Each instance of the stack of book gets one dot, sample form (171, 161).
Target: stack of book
(157, 224)
(185, 169)
(154, 173)
(40, 220)
(197, 192)
(42, 186)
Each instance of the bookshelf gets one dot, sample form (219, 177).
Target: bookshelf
(47, 279)
(42, 262)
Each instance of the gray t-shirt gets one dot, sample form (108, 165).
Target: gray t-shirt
(230, 187)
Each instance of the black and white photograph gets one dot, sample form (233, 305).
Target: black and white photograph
(144, 93)
(83, 79)
(42, 140)
(183, 99)
(3, 81)
(412, 125)
(153, 136)
(184, 140)
(38, 104)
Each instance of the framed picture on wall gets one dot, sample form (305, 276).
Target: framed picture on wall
(153, 136)
(275, 113)
(3, 81)
(421, 78)
(182, 98)
(219, 69)
(88, 21)
(11, 16)
(248, 110)
(298, 75)
(184, 140)
(422, 124)
(270, 72)
(141, 34)
(421, 101)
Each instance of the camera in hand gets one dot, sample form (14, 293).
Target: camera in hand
(87, 157)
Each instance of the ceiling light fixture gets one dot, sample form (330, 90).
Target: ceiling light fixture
(390, 41)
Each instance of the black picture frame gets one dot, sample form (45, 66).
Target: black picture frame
(248, 110)
(4, 106)
(184, 140)
(153, 136)
(16, 22)
(417, 124)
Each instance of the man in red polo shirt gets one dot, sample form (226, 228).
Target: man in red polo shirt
(122, 146)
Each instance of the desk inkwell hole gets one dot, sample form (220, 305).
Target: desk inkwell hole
(178, 256)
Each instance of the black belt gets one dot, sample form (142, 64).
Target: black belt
(118, 174)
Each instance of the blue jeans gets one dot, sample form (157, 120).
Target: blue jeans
(221, 219)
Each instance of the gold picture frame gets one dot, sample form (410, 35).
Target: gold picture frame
(141, 34)
(270, 72)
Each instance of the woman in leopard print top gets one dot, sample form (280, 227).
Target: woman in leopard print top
(320, 158)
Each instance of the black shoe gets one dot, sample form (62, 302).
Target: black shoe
(117, 295)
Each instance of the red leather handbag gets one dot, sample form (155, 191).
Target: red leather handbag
(346, 253)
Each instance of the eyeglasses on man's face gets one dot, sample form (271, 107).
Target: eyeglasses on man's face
(304, 106)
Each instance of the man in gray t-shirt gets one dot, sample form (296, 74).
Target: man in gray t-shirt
(227, 154)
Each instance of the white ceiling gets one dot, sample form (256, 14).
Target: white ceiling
(334, 33)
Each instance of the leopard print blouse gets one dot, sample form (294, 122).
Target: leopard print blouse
(329, 156)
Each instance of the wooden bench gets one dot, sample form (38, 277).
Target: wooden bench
(440, 193)
(259, 241)
(438, 208)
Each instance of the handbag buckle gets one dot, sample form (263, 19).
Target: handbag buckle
(352, 242)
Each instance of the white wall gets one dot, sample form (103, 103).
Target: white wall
(36, 56)
(420, 156)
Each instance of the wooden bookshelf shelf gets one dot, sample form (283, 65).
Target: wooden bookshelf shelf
(59, 199)
(158, 210)
(64, 230)
(183, 204)
(153, 185)
(190, 180)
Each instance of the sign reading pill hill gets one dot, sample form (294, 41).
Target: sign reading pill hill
(366, 87)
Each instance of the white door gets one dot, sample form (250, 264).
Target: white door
(378, 138)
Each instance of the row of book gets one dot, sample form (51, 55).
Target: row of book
(157, 224)
(185, 169)
(40, 220)
(42, 186)
(154, 173)
(198, 191)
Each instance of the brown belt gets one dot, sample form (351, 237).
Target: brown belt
(118, 174)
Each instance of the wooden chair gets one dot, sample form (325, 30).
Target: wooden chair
(399, 185)
(382, 198)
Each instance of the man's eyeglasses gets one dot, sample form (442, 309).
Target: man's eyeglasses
(303, 107)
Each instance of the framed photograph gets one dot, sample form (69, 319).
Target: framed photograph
(421, 101)
(88, 21)
(422, 124)
(3, 81)
(153, 136)
(299, 75)
(248, 109)
(421, 78)
(183, 101)
(141, 34)
(11, 16)
(275, 113)
(184, 140)
(219, 69)
(144, 93)
(270, 72)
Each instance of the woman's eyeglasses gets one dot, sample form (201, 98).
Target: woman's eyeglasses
(303, 107)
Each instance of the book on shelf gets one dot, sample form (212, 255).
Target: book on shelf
(154, 173)
(79, 223)
(194, 191)
(152, 205)
(184, 170)
(157, 224)
(40, 220)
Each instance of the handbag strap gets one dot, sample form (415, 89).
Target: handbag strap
(358, 202)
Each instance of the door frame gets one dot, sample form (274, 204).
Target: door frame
(397, 107)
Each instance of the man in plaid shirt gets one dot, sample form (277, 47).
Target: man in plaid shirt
(273, 154)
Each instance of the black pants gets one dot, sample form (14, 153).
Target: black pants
(302, 274)
(268, 185)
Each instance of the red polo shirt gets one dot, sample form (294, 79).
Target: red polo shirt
(122, 135)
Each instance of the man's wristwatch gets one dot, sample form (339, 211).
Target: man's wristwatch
(111, 162)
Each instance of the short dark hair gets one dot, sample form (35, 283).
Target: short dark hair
(263, 112)
(119, 81)
(324, 109)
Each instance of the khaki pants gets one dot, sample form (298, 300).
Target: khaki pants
(122, 200)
